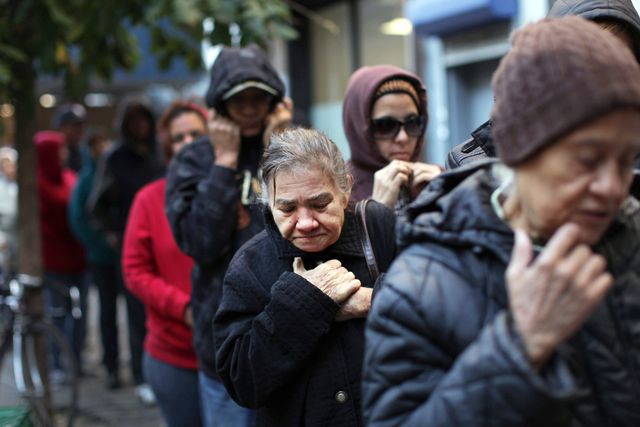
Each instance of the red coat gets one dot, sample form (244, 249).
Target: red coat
(61, 252)
(160, 275)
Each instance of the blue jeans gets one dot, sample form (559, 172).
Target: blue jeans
(219, 409)
(176, 391)
(59, 308)
(105, 277)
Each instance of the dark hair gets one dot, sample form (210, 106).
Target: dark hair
(175, 110)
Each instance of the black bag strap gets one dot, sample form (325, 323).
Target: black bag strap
(367, 248)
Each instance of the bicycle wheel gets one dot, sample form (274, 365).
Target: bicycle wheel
(54, 404)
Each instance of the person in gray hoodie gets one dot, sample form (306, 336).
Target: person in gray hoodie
(617, 16)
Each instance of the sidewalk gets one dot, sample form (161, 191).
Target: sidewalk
(98, 406)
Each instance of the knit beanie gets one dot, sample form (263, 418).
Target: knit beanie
(558, 75)
(397, 86)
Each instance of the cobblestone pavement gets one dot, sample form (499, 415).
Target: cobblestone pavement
(98, 406)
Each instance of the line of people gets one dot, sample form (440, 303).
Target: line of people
(501, 292)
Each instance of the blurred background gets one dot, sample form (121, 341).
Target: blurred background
(454, 45)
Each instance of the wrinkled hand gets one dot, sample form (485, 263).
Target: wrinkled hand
(357, 305)
(551, 298)
(388, 180)
(224, 135)
(278, 120)
(423, 173)
(331, 278)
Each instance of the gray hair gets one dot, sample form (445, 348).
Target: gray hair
(298, 149)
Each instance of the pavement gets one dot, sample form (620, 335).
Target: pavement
(98, 406)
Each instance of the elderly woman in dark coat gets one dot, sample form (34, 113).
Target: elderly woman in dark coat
(289, 332)
(517, 301)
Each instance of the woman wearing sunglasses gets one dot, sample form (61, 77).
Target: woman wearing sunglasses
(385, 117)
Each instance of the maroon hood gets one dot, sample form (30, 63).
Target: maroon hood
(48, 146)
(356, 117)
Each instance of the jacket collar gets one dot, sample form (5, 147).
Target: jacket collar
(348, 243)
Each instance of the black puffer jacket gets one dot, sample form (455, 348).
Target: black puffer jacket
(121, 172)
(279, 348)
(441, 347)
(211, 209)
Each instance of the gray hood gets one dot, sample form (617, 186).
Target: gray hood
(593, 10)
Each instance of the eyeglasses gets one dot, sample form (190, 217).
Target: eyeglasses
(180, 137)
(389, 127)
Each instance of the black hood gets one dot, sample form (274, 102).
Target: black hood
(455, 209)
(594, 10)
(238, 65)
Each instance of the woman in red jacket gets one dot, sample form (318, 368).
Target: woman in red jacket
(62, 254)
(158, 273)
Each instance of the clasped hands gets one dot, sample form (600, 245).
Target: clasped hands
(340, 285)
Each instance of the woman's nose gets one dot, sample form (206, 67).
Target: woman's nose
(610, 183)
(402, 136)
(306, 221)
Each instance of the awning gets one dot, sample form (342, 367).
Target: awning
(439, 17)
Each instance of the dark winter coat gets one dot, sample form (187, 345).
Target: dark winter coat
(279, 348)
(356, 119)
(211, 209)
(94, 241)
(480, 146)
(121, 172)
(442, 349)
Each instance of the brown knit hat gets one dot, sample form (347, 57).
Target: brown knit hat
(559, 74)
(397, 86)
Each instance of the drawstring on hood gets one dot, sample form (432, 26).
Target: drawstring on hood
(356, 118)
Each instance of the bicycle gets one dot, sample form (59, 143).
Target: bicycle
(29, 334)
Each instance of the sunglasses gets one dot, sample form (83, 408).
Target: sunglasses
(179, 137)
(388, 127)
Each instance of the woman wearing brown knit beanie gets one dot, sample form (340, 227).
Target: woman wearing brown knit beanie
(516, 301)
(384, 117)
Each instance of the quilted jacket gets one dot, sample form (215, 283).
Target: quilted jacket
(441, 347)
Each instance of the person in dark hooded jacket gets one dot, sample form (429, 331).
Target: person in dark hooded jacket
(133, 162)
(385, 116)
(211, 193)
(617, 16)
(516, 300)
(101, 257)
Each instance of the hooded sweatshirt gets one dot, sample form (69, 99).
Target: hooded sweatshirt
(480, 145)
(597, 10)
(211, 209)
(122, 171)
(61, 252)
(356, 119)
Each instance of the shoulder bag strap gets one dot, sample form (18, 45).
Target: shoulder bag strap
(367, 248)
